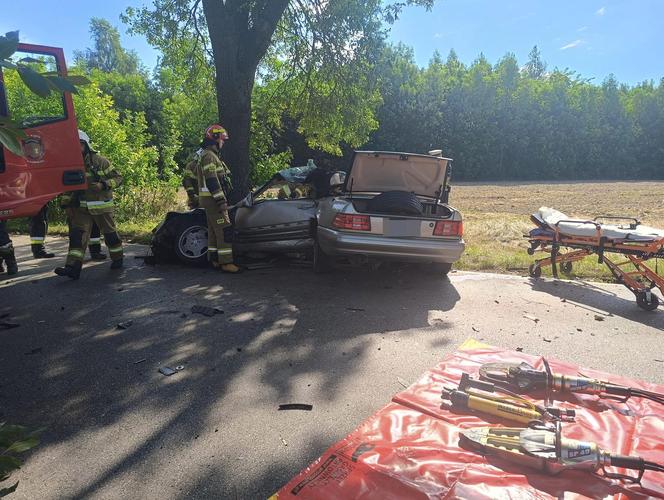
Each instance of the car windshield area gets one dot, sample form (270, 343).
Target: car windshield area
(24, 107)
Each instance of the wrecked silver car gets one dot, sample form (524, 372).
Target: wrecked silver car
(388, 207)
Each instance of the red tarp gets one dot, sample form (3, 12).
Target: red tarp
(410, 448)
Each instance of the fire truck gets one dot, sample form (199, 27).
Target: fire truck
(52, 162)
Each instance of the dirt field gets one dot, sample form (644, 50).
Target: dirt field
(496, 217)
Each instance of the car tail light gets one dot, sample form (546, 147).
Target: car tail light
(354, 222)
(448, 228)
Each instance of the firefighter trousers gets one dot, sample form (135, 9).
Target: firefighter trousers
(80, 225)
(218, 249)
(39, 227)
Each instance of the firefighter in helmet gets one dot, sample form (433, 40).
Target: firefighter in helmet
(212, 178)
(94, 205)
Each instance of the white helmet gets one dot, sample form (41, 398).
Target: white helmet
(83, 137)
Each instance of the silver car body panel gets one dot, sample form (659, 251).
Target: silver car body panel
(379, 171)
(403, 238)
(275, 226)
(341, 243)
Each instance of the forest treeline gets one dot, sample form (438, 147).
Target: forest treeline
(512, 121)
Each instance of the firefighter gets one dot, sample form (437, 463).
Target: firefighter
(94, 205)
(7, 250)
(212, 179)
(190, 181)
(38, 229)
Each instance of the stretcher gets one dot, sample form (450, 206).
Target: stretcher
(570, 240)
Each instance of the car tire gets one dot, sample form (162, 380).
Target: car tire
(191, 243)
(443, 268)
(395, 202)
(322, 262)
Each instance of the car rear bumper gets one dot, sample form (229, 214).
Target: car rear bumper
(339, 243)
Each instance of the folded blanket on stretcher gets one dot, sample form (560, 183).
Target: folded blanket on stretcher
(550, 217)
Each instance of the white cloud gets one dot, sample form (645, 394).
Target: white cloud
(601, 11)
(573, 44)
(438, 35)
(582, 29)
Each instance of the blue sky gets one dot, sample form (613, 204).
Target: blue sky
(593, 37)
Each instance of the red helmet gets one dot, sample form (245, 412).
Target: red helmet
(216, 132)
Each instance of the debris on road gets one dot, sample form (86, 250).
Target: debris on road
(599, 318)
(140, 361)
(168, 371)
(205, 310)
(475, 329)
(296, 406)
(284, 441)
(519, 349)
(545, 339)
(532, 318)
(355, 309)
(124, 325)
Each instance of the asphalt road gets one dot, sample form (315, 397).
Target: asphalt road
(344, 342)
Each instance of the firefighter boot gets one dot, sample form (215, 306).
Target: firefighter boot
(72, 271)
(7, 253)
(116, 264)
(39, 252)
(95, 252)
(230, 268)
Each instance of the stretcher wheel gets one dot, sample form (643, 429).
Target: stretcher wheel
(531, 251)
(643, 302)
(566, 267)
(535, 270)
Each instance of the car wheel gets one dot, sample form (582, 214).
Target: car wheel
(443, 269)
(191, 242)
(322, 262)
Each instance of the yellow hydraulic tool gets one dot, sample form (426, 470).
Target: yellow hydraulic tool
(475, 395)
(542, 447)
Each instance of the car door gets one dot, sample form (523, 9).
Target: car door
(52, 161)
(272, 223)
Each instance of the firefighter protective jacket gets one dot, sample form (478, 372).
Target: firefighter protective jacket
(211, 173)
(97, 170)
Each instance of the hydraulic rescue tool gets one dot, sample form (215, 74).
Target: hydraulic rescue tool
(522, 377)
(475, 395)
(542, 447)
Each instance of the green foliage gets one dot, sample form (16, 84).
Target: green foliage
(125, 142)
(14, 439)
(108, 55)
(501, 122)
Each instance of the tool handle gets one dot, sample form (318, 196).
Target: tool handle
(627, 462)
(617, 390)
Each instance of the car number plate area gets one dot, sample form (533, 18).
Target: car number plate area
(399, 228)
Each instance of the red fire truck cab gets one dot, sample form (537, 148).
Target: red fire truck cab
(52, 162)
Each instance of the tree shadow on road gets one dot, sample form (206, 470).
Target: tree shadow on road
(71, 369)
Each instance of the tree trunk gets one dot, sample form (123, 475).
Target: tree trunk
(240, 33)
